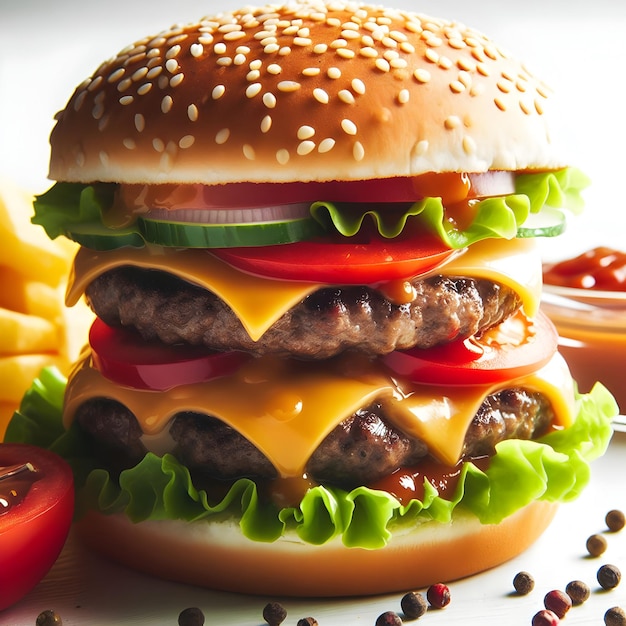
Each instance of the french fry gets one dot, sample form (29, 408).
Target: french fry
(27, 334)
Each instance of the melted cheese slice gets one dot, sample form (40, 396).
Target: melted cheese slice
(260, 302)
(286, 408)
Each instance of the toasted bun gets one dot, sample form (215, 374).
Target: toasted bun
(216, 555)
(311, 91)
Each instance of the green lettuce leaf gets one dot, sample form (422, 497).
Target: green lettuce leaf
(553, 468)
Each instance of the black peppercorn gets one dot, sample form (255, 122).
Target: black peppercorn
(578, 591)
(615, 520)
(274, 613)
(191, 616)
(609, 576)
(49, 618)
(596, 545)
(388, 618)
(615, 616)
(523, 583)
(413, 605)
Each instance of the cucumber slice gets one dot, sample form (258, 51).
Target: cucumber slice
(549, 222)
(195, 235)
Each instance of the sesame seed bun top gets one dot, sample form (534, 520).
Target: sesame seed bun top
(305, 91)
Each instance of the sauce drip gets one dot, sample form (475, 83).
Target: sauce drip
(601, 268)
(15, 483)
(407, 483)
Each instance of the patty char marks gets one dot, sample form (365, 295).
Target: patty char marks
(361, 450)
(329, 321)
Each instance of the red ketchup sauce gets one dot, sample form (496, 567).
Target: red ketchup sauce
(601, 268)
(407, 483)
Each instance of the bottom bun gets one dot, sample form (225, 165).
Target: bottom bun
(217, 556)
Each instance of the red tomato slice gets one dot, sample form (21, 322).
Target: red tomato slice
(36, 510)
(515, 348)
(452, 186)
(125, 358)
(341, 262)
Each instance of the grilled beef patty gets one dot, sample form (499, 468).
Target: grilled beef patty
(327, 322)
(362, 449)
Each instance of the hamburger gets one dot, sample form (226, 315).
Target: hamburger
(318, 365)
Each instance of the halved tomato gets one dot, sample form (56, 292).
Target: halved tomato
(517, 347)
(36, 511)
(127, 359)
(343, 261)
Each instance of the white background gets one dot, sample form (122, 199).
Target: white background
(579, 48)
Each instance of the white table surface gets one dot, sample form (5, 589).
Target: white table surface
(89, 591)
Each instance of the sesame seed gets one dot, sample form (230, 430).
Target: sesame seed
(78, 103)
(431, 55)
(205, 40)
(452, 122)
(326, 145)
(503, 86)
(405, 46)
(229, 28)
(222, 136)
(256, 64)
(271, 48)
(421, 75)
(421, 147)
(104, 157)
(158, 144)
(456, 86)
(444, 62)
(253, 75)
(218, 92)
(346, 96)
(196, 49)
(382, 65)
(166, 104)
(125, 100)
(142, 90)
(350, 34)
(311, 71)
(98, 111)
(305, 147)
(305, 132)
(358, 151)
(219, 48)
(269, 100)
(481, 68)
(163, 82)
(346, 53)
(525, 107)
(539, 106)
(284, 51)
(287, 86)
(349, 127)
(95, 83)
(224, 61)
(154, 72)
(239, 59)
(274, 69)
(253, 89)
(404, 96)
(320, 48)
(282, 156)
(266, 124)
(234, 35)
(139, 74)
(176, 80)
(192, 113)
(116, 75)
(500, 104)
(368, 52)
(469, 145)
(140, 122)
(333, 72)
(172, 52)
(129, 143)
(171, 65)
(358, 86)
(321, 96)
(186, 142)
(302, 41)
